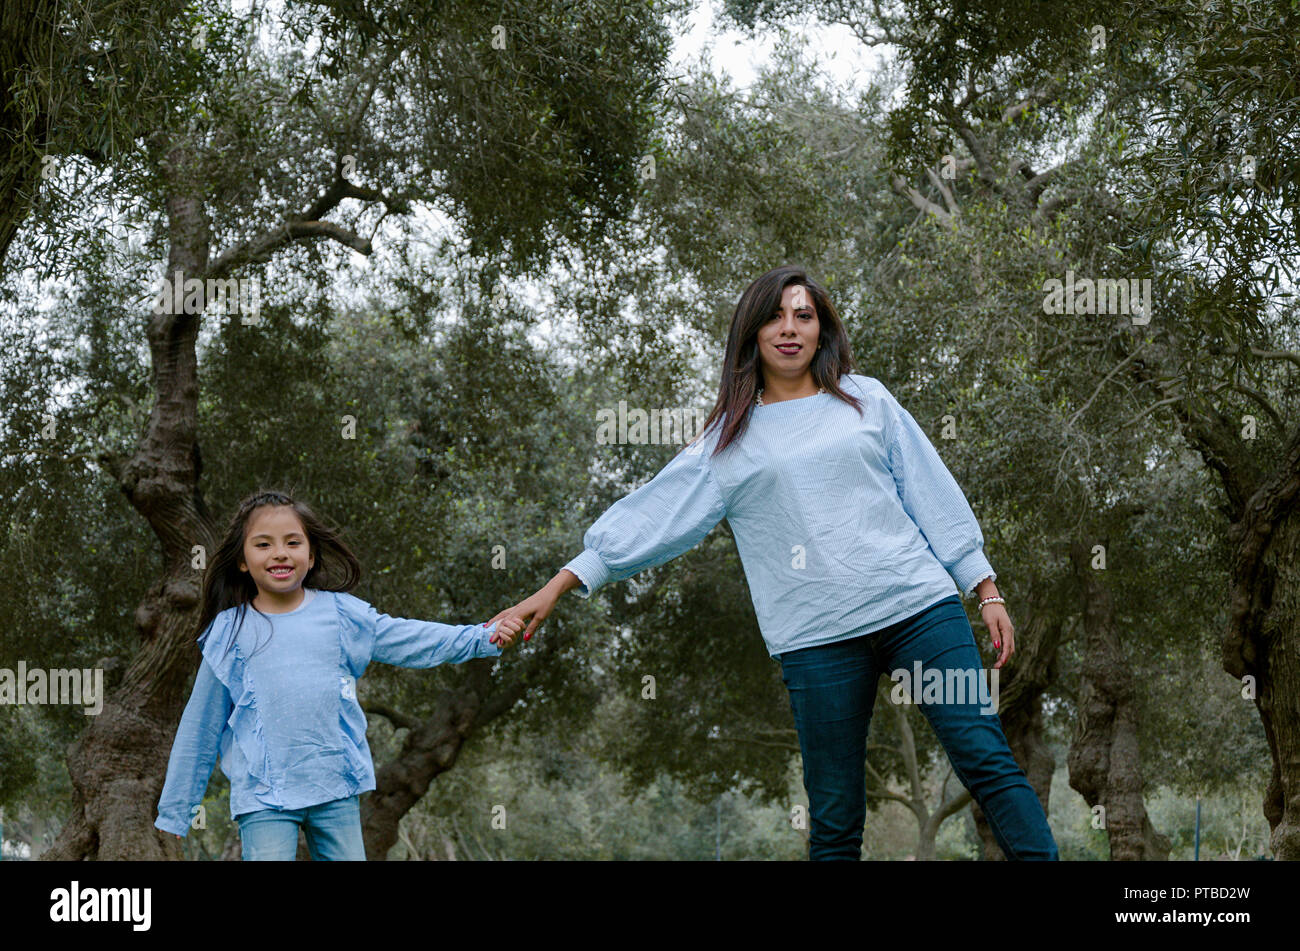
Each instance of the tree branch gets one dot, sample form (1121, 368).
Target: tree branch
(1109, 376)
(953, 805)
(1259, 398)
(1038, 97)
(1150, 409)
(499, 702)
(920, 201)
(266, 244)
(399, 720)
(309, 224)
(944, 190)
(1213, 437)
(983, 165)
(1036, 183)
(878, 19)
(1256, 351)
(1061, 347)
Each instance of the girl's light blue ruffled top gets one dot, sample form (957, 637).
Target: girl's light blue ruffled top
(278, 702)
(845, 524)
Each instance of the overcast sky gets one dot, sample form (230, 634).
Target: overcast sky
(846, 60)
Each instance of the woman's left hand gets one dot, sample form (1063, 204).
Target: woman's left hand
(1000, 629)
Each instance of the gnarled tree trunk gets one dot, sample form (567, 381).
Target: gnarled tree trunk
(431, 747)
(1104, 761)
(1264, 643)
(118, 765)
(1263, 636)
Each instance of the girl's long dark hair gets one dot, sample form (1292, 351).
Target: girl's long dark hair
(742, 368)
(225, 586)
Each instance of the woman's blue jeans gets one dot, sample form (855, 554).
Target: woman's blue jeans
(832, 691)
(333, 831)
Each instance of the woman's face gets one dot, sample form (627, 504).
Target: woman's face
(788, 341)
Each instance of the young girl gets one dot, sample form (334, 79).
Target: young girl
(276, 696)
(852, 533)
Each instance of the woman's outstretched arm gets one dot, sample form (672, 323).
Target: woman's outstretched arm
(667, 516)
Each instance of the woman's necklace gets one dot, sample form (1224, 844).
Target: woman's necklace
(758, 400)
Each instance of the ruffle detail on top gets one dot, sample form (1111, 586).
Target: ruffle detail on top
(352, 721)
(227, 662)
(356, 632)
(356, 644)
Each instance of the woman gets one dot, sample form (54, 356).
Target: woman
(851, 532)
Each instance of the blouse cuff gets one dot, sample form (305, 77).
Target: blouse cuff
(170, 825)
(971, 570)
(591, 571)
(485, 646)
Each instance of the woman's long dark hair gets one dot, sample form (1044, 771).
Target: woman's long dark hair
(742, 368)
(225, 586)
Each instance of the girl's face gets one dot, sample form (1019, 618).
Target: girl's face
(787, 342)
(276, 551)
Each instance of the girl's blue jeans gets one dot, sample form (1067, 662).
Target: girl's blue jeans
(832, 691)
(333, 831)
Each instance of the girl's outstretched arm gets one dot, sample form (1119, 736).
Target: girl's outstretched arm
(194, 751)
(407, 642)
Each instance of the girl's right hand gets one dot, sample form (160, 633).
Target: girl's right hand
(506, 629)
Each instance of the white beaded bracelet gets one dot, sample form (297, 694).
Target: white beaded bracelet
(992, 601)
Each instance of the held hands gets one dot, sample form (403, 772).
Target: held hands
(507, 630)
(539, 605)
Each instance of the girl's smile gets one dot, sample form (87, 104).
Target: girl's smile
(277, 556)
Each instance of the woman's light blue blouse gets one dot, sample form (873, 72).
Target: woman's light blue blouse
(845, 524)
(278, 702)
